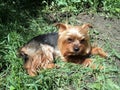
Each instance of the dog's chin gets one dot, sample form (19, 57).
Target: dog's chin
(75, 53)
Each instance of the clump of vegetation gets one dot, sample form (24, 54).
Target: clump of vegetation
(20, 20)
(109, 7)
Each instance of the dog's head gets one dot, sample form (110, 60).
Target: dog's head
(73, 40)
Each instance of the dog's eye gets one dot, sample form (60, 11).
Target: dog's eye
(82, 41)
(70, 40)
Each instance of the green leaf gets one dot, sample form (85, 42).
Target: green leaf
(12, 88)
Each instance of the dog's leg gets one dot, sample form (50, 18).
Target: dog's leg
(40, 59)
(29, 67)
(51, 65)
(31, 72)
(98, 51)
(87, 62)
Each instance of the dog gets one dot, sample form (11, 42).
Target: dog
(71, 44)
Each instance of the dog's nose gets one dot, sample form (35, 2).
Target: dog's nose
(76, 49)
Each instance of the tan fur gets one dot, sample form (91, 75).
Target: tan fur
(41, 58)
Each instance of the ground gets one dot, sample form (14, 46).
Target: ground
(105, 33)
(109, 28)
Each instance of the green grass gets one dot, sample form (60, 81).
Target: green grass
(23, 22)
(68, 76)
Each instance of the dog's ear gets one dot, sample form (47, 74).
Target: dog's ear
(62, 27)
(85, 27)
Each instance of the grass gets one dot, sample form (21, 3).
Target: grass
(21, 25)
(68, 76)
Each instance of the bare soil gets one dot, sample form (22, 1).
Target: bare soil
(108, 28)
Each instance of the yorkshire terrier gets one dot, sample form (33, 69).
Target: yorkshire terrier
(71, 44)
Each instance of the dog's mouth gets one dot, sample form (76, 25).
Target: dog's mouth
(75, 53)
(72, 54)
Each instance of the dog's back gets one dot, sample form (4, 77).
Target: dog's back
(35, 43)
(49, 39)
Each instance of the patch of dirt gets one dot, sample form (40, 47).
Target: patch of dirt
(108, 28)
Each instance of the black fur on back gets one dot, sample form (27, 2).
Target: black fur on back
(50, 39)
